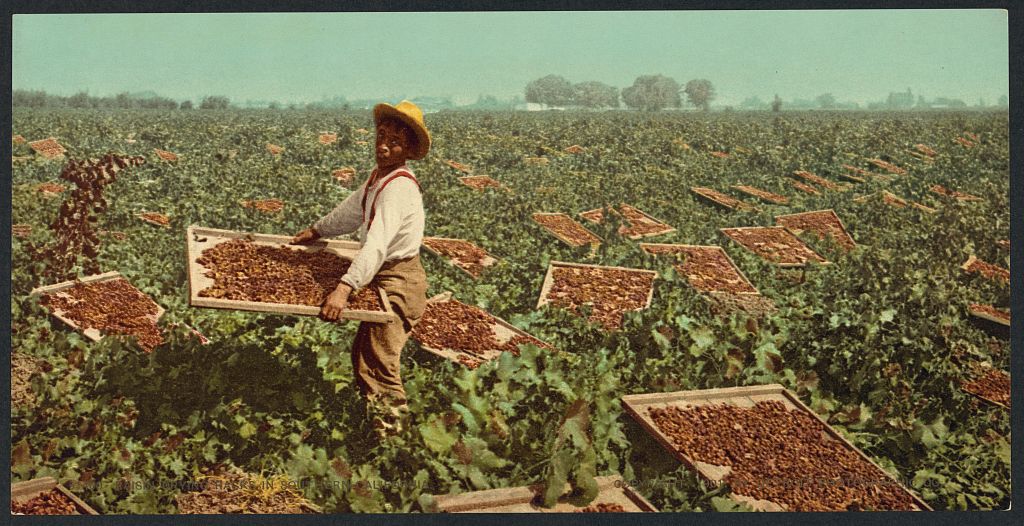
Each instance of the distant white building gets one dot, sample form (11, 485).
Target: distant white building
(532, 106)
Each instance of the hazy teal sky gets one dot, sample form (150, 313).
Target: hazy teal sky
(856, 55)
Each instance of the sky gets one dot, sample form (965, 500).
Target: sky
(857, 55)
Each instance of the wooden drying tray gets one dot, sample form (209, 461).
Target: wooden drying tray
(979, 396)
(25, 491)
(978, 313)
(503, 332)
(488, 261)
(564, 239)
(716, 197)
(780, 265)
(666, 230)
(611, 490)
(637, 406)
(972, 259)
(141, 215)
(645, 246)
(201, 238)
(468, 182)
(829, 211)
(549, 279)
(91, 333)
(893, 200)
(770, 197)
(602, 210)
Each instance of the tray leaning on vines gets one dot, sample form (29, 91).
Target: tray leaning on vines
(63, 287)
(22, 492)
(611, 490)
(640, 407)
(199, 239)
(501, 332)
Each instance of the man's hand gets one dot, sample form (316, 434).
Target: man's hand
(307, 235)
(335, 303)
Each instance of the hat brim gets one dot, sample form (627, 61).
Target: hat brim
(384, 110)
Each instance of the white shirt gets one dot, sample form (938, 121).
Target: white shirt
(396, 231)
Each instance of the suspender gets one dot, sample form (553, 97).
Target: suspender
(373, 206)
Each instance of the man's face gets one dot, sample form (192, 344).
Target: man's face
(393, 143)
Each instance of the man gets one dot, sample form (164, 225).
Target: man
(388, 214)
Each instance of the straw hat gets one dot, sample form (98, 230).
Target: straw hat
(412, 116)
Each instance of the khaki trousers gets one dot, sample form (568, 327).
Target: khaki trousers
(377, 350)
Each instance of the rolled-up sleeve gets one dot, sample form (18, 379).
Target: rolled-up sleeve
(344, 219)
(387, 222)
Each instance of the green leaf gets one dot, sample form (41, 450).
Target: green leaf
(887, 315)
(247, 430)
(1003, 451)
(436, 436)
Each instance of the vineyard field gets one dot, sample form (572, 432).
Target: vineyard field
(878, 343)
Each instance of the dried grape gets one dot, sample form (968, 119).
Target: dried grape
(51, 502)
(245, 271)
(112, 307)
(780, 455)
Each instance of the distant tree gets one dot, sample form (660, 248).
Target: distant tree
(79, 100)
(922, 103)
(776, 104)
(185, 105)
(652, 93)
(28, 98)
(593, 94)
(700, 92)
(982, 103)
(901, 101)
(215, 102)
(274, 105)
(552, 90)
(1003, 101)
(826, 100)
(123, 101)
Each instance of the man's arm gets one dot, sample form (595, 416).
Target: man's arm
(344, 219)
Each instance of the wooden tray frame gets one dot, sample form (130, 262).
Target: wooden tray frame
(962, 198)
(700, 191)
(150, 221)
(461, 167)
(986, 316)
(549, 280)
(611, 489)
(829, 210)
(464, 181)
(637, 406)
(745, 188)
(966, 267)
(892, 199)
(24, 491)
(453, 354)
(90, 333)
(743, 277)
(601, 209)
(780, 265)
(804, 187)
(489, 261)
(562, 238)
(982, 398)
(667, 230)
(197, 281)
(799, 175)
